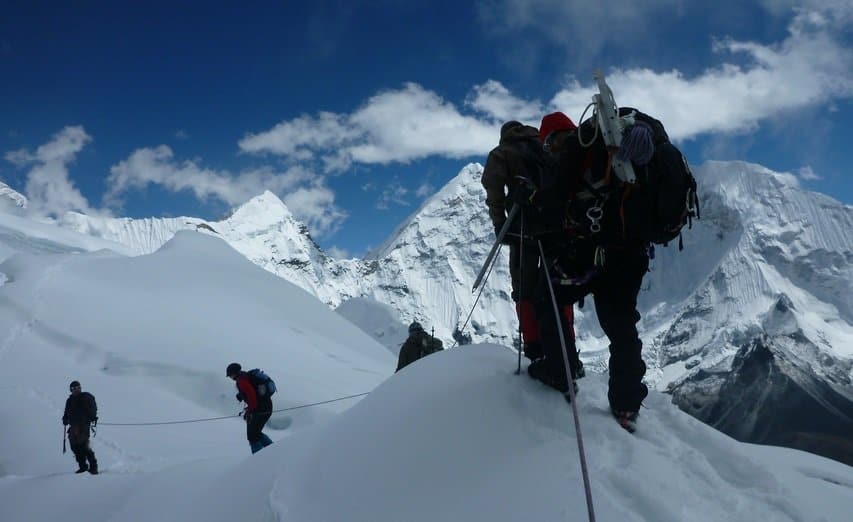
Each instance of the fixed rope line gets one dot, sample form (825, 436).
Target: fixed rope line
(208, 419)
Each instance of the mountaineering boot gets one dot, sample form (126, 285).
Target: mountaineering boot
(81, 463)
(256, 446)
(93, 464)
(627, 419)
(542, 372)
(265, 441)
(533, 350)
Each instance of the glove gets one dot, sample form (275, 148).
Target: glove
(247, 416)
(524, 193)
(239, 397)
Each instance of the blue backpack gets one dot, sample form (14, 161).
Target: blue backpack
(264, 385)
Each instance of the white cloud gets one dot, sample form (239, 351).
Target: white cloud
(300, 137)
(582, 28)
(315, 206)
(751, 83)
(393, 126)
(495, 100)
(181, 134)
(396, 193)
(338, 253)
(305, 193)
(835, 12)
(808, 68)
(49, 189)
(424, 190)
(806, 173)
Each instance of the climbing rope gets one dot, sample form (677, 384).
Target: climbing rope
(207, 419)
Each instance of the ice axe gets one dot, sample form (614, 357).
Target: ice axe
(611, 126)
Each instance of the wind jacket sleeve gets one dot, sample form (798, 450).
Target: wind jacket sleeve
(67, 413)
(405, 357)
(495, 179)
(248, 391)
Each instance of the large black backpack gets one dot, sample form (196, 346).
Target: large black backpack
(653, 209)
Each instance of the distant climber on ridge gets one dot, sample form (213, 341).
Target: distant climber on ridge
(255, 388)
(419, 344)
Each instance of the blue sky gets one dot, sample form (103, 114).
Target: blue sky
(354, 112)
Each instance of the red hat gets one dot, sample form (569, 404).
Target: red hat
(556, 121)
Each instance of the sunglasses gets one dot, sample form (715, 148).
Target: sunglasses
(75, 388)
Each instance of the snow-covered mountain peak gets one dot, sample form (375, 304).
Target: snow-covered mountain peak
(10, 199)
(443, 213)
(264, 209)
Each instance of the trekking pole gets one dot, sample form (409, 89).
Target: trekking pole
(63, 440)
(520, 288)
(477, 300)
(513, 211)
(571, 381)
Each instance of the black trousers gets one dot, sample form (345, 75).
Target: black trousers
(615, 292)
(615, 288)
(523, 269)
(259, 418)
(78, 438)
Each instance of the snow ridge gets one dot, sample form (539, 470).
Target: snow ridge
(761, 238)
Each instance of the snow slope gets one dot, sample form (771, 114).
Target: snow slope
(762, 240)
(379, 320)
(150, 336)
(457, 436)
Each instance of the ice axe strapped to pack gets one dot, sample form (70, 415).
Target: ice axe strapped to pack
(635, 184)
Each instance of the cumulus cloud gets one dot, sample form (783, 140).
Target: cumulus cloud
(49, 188)
(751, 83)
(399, 125)
(494, 100)
(807, 68)
(314, 205)
(305, 193)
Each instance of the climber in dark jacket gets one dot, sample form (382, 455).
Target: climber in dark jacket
(81, 411)
(504, 165)
(419, 344)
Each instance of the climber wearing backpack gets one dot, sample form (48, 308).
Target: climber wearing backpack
(81, 411)
(548, 200)
(612, 223)
(419, 344)
(514, 162)
(254, 388)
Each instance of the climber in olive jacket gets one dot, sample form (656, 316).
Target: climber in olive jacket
(419, 344)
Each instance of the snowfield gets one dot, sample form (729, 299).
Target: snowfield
(455, 436)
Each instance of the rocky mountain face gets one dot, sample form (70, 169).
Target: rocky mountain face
(754, 315)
